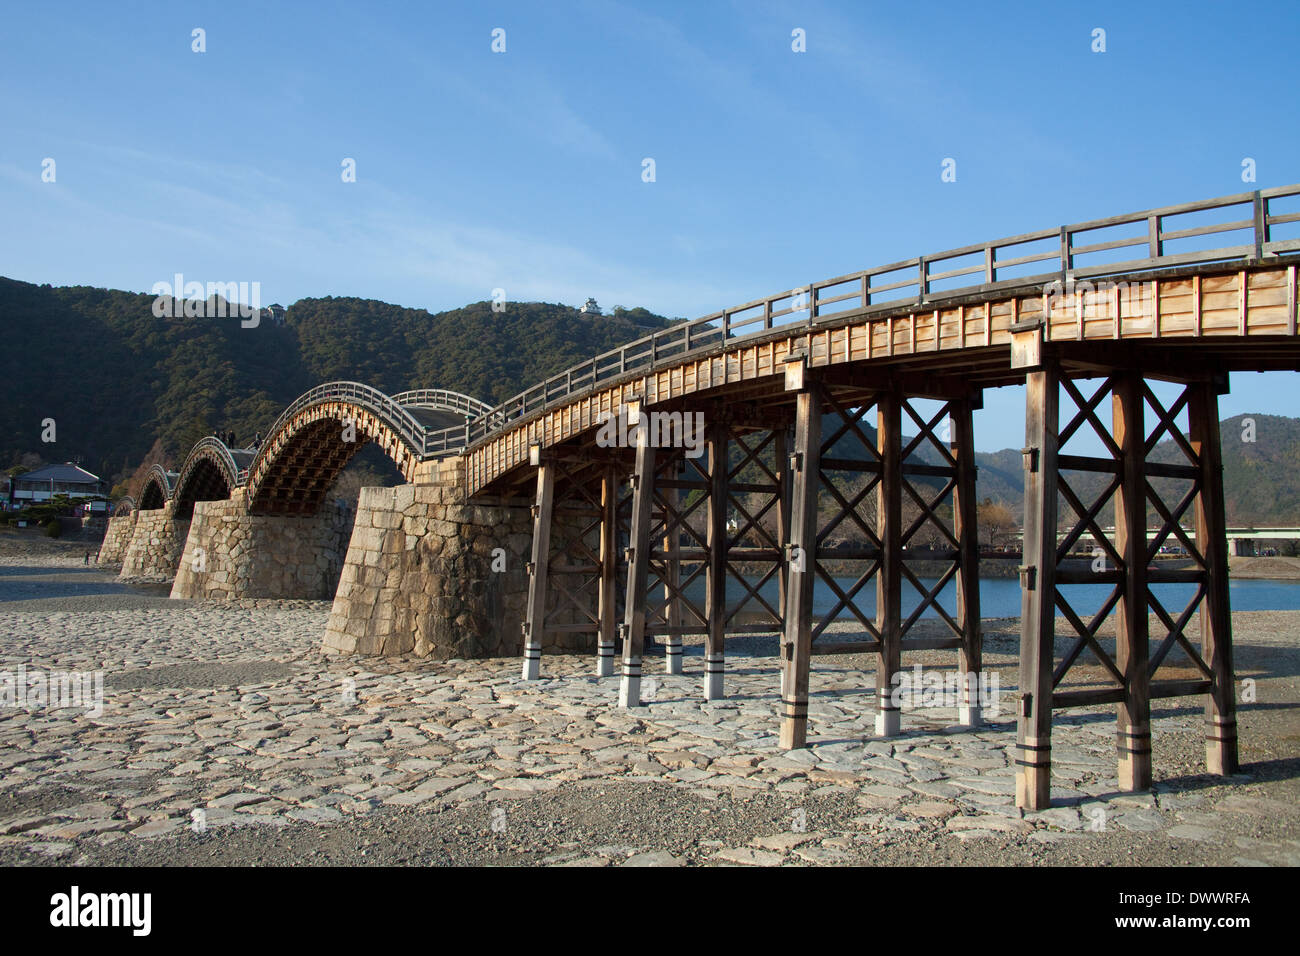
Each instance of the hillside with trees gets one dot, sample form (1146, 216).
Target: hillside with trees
(115, 379)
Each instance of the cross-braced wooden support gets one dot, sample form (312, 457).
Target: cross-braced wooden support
(1037, 591)
(607, 601)
(970, 661)
(889, 582)
(574, 559)
(796, 641)
(1141, 488)
(679, 495)
(538, 568)
(638, 571)
(1133, 723)
(715, 605)
(1216, 619)
(885, 499)
(672, 578)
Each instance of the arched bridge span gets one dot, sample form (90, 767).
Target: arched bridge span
(158, 487)
(317, 435)
(210, 473)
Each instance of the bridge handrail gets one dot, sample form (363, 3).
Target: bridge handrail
(444, 400)
(222, 451)
(406, 424)
(919, 275)
(168, 479)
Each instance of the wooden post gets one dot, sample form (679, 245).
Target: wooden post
(607, 601)
(796, 643)
(541, 555)
(889, 580)
(966, 528)
(781, 444)
(1038, 590)
(643, 477)
(715, 601)
(1133, 725)
(1216, 617)
(672, 581)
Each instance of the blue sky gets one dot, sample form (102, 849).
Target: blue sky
(522, 170)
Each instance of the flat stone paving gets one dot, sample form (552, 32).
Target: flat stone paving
(226, 715)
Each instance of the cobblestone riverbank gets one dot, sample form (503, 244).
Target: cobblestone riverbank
(226, 737)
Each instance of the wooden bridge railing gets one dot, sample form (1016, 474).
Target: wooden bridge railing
(220, 449)
(443, 399)
(1168, 236)
(1086, 250)
(396, 415)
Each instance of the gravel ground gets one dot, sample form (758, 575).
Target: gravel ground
(226, 738)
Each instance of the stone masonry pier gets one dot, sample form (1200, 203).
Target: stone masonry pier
(231, 554)
(431, 575)
(156, 544)
(117, 538)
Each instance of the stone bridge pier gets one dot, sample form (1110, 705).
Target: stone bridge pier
(157, 540)
(230, 553)
(429, 573)
(117, 538)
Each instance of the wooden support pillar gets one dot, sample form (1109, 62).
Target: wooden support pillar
(889, 580)
(796, 642)
(715, 601)
(1216, 617)
(781, 444)
(1133, 725)
(1038, 590)
(643, 477)
(607, 601)
(672, 581)
(966, 528)
(541, 555)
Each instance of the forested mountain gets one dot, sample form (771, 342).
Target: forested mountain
(114, 378)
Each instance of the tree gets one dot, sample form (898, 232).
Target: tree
(997, 522)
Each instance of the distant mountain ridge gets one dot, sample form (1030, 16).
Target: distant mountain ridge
(115, 378)
(1261, 477)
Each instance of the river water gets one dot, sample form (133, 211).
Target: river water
(1000, 597)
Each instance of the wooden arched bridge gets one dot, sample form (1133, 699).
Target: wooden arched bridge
(822, 438)
(310, 443)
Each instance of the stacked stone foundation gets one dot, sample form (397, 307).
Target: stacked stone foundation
(117, 538)
(231, 554)
(156, 545)
(430, 574)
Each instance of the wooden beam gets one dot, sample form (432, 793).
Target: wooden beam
(1290, 301)
(1038, 589)
(781, 446)
(715, 600)
(966, 526)
(607, 599)
(541, 555)
(1133, 724)
(672, 584)
(796, 643)
(889, 580)
(1216, 619)
(635, 601)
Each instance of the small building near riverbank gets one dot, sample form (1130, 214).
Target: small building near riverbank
(42, 484)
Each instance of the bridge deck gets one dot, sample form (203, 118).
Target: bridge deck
(1164, 321)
